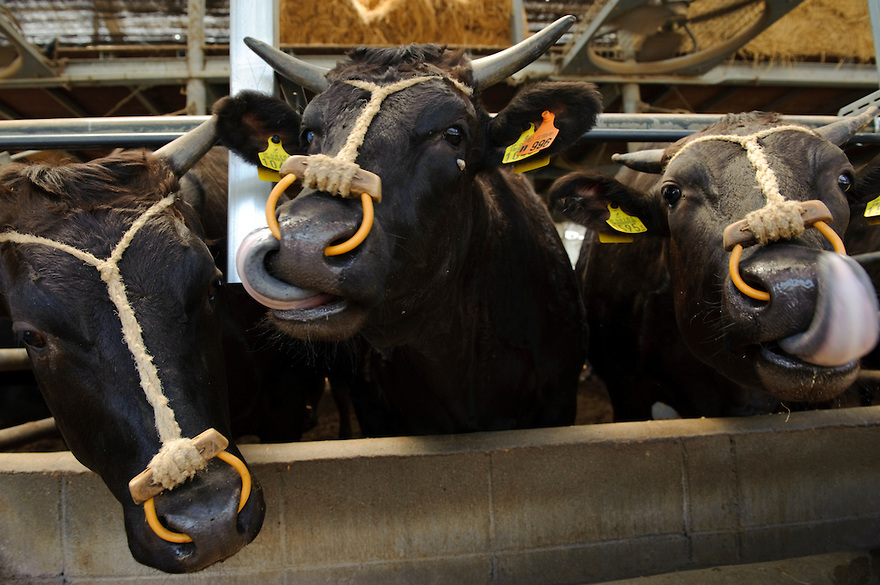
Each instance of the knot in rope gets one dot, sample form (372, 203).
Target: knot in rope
(177, 461)
(781, 221)
(109, 271)
(329, 174)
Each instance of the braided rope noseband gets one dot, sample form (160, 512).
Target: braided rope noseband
(179, 458)
(338, 174)
(779, 218)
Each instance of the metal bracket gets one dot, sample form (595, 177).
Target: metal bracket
(30, 62)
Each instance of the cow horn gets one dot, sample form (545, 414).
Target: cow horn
(646, 161)
(498, 67)
(838, 133)
(307, 75)
(184, 151)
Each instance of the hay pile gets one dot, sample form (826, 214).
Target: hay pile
(833, 30)
(473, 23)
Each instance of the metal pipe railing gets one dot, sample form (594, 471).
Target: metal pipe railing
(13, 359)
(156, 131)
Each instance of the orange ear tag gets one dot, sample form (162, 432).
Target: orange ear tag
(272, 158)
(542, 138)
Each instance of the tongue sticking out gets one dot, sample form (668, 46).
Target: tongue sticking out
(262, 286)
(845, 326)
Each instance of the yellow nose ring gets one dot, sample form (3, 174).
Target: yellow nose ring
(347, 246)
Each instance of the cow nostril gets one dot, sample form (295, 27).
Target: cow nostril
(738, 280)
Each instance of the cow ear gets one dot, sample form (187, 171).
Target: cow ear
(867, 183)
(247, 122)
(574, 105)
(607, 206)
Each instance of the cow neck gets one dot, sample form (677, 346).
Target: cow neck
(178, 459)
(335, 173)
(779, 218)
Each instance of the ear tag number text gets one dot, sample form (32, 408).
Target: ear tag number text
(627, 224)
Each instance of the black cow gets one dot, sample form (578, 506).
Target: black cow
(113, 338)
(667, 322)
(461, 298)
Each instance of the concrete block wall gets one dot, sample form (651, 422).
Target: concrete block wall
(569, 505)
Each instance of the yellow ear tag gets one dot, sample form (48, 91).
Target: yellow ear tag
(510, 151)
(531, 165)
(872, 209)
(274, 155)
(614, 239)
(622, 222)
(269, 175)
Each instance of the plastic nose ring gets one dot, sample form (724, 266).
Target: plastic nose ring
(760, 295)
(179, 537)
(347, 246)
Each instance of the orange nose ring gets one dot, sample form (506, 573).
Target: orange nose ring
(760, 295)
(179, 537)
(347, 246)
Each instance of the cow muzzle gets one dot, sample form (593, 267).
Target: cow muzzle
(207, 511)
(822, 308)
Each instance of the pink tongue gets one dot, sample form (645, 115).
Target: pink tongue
(845, 326)
(291, 297)
(309, 303)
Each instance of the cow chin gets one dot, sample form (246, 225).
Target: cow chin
(792, 380)
(332, 318)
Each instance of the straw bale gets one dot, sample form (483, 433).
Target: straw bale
(472, 23)
(834, 30)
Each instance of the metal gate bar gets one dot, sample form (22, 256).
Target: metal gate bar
(156, 131)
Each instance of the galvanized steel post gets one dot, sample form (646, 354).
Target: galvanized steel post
(247, 194)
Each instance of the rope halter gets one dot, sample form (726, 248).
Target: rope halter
(779, 219)
(179, 458)
(340, 175)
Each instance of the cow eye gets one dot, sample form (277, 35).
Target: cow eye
(30, 337)
(671, 193)
(845, 181)
(453, 135)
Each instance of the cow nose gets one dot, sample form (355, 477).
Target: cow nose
(788, 274)
(205, 508)
(310, 225)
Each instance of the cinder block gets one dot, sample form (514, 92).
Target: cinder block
(586, 493)
(847, 567)
(270, 577)
(711, 549)
(457, 570)
(807, 475)
(30, 525)
(710, 484)
(593, 563)
(813, 538)
(94, 534)
(385, 509)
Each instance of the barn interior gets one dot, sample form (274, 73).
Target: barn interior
(150, 70)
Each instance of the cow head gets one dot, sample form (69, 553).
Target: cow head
(112, 291)
(804, 343)
(409, 117)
